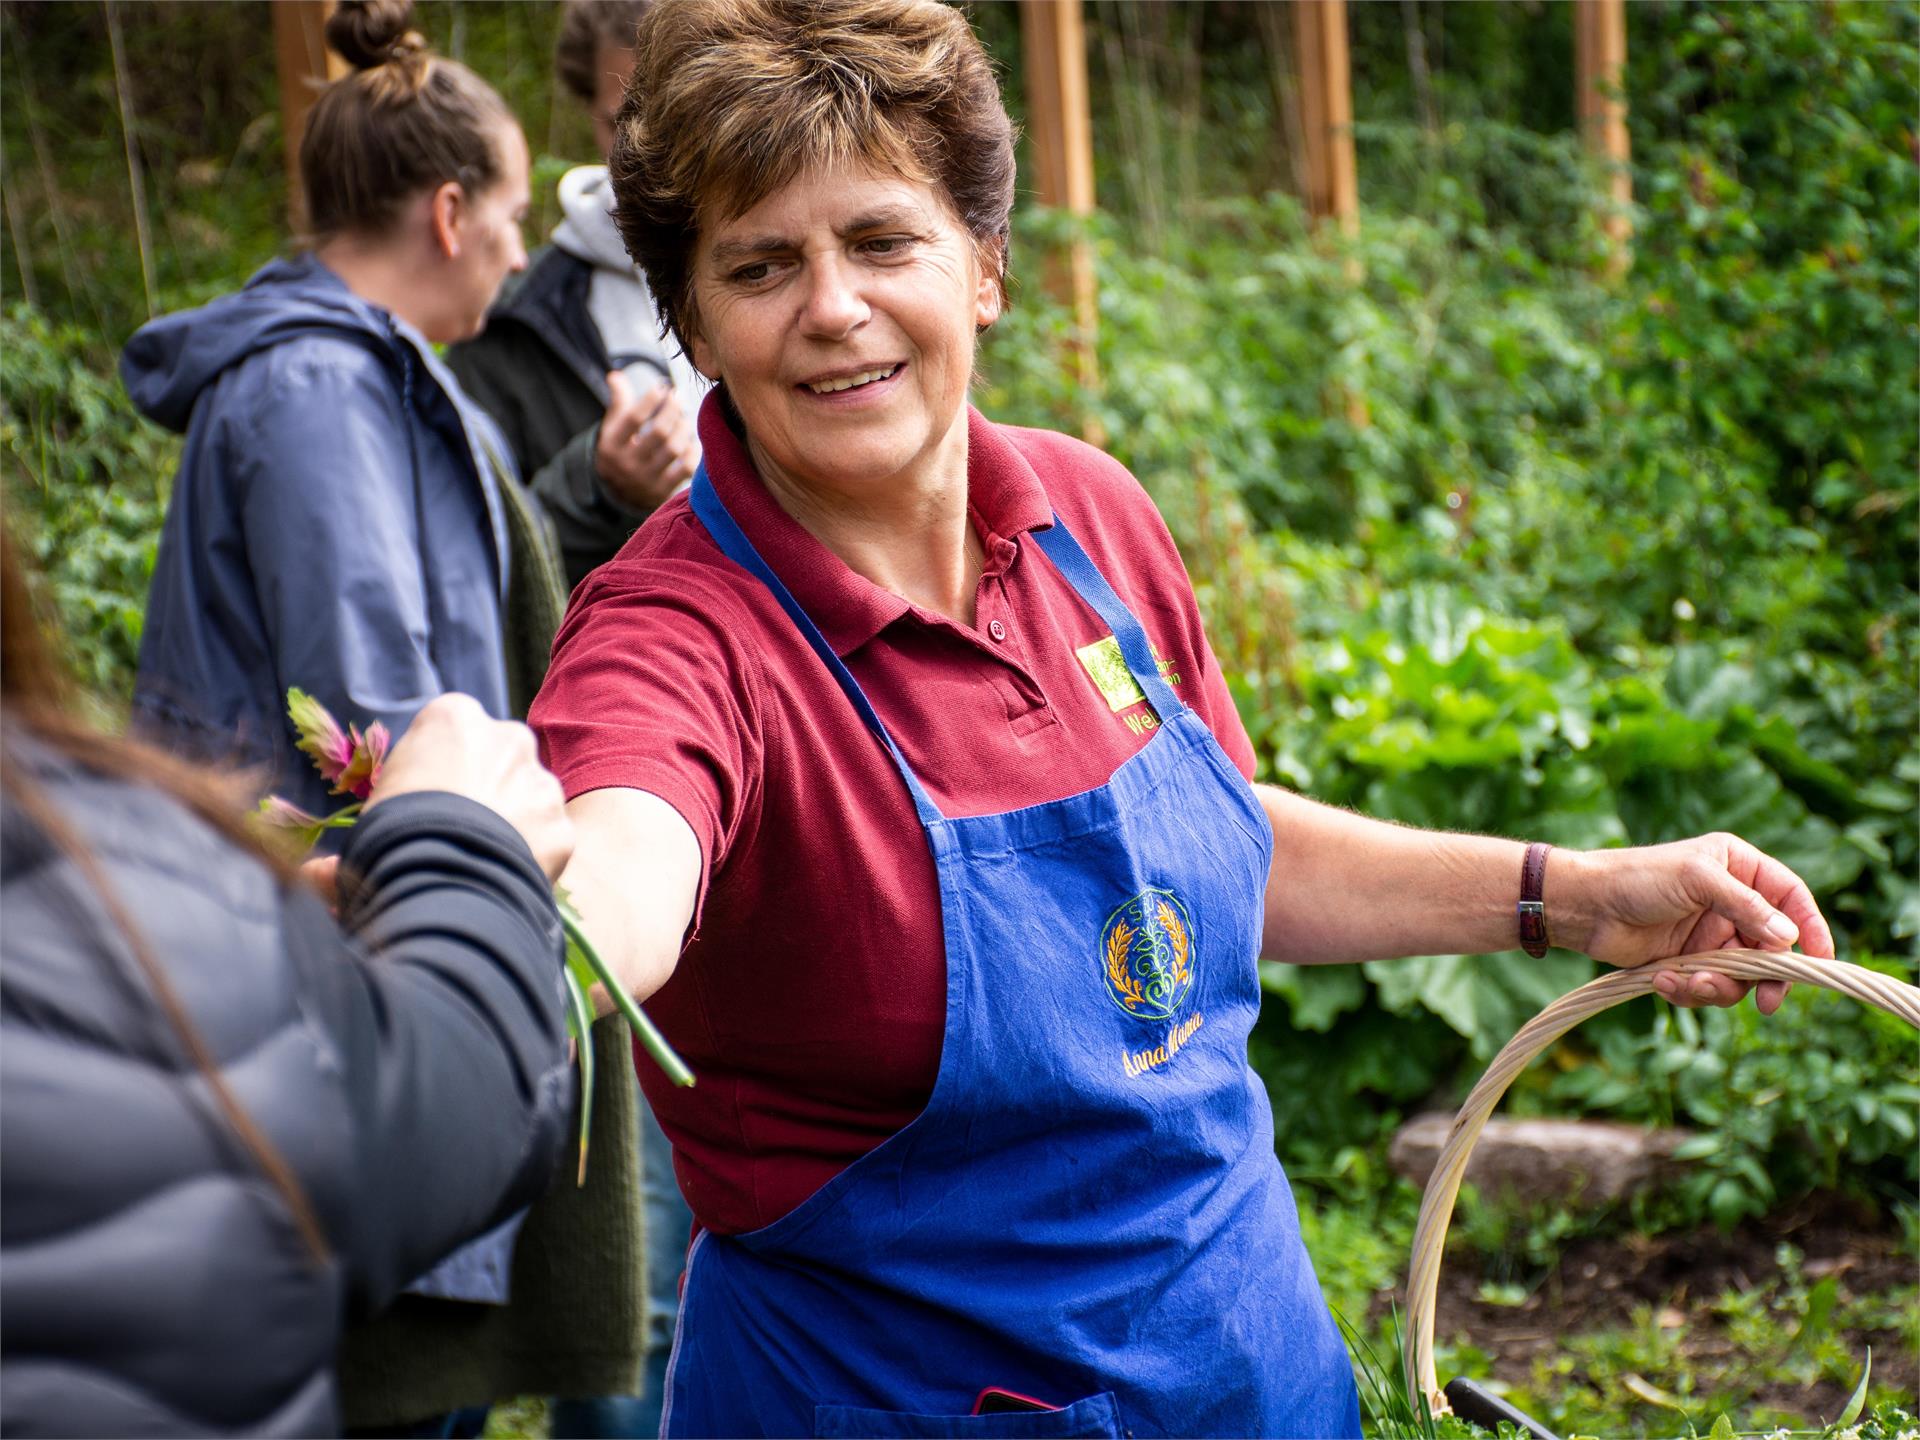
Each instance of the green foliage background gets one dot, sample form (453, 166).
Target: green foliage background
(1484, 538)
(1605, 563)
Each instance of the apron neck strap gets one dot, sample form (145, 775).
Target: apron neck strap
(1077, 566)
(733, 543)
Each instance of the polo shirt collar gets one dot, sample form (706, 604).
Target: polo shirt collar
(1004, 496)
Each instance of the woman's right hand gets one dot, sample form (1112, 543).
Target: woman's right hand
(454, 746)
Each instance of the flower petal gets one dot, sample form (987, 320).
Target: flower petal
(362, 771)
(321, 737)
(276, 811)
(285, 815)
(379, 740)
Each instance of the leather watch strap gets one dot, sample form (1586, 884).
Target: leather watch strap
(1532, 908)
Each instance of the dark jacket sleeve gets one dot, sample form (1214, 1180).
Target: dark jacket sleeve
(512, 375)
(444, 1003)
(590, 524)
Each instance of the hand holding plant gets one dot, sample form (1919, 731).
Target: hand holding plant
(453, 746)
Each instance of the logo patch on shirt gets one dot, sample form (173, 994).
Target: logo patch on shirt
(1107, 668)
(1146, 953)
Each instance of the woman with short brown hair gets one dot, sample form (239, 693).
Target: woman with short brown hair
(910, 792)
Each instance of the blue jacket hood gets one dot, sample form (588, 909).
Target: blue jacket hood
(171, 360)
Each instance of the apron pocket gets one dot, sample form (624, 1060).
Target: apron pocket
(1097, 1415)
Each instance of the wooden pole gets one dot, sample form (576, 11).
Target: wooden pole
(1600, 60)
(1060, 150)
(1326, 130)
(1326, 112)
(305, 64)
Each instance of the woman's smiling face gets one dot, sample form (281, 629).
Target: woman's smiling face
(841, 312)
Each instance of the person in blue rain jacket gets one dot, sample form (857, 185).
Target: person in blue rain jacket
(330, 527)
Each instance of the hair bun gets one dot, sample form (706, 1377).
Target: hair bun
(370, 33)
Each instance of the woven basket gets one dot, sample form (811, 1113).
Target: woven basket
(1436, 1209)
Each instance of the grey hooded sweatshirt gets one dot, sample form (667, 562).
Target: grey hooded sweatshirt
(540, 367)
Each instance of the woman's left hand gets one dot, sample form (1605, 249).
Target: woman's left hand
(1629, 907)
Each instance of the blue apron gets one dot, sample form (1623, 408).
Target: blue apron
(1088, 1213)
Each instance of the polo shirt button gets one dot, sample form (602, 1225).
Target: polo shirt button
(996, 629)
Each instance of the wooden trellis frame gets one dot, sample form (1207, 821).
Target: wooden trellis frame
(1060, 125)
(1600, 63)
(1325, 85)
(1060, 152)
(304, 64)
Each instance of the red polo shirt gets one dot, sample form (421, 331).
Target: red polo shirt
(811, 998)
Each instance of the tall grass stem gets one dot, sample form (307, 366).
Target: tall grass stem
(16, 228)
(136, 175)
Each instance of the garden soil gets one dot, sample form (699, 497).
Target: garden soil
(1601, 1284)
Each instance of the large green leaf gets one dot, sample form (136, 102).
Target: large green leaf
(1316, 995)
(1483, 997)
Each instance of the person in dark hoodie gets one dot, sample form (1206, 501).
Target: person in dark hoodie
(347, 521)
(227, 1122)
(597, 406)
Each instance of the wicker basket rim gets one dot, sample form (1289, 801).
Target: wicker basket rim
(1443, 1186)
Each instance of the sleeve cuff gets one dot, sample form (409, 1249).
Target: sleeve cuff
(435, 812)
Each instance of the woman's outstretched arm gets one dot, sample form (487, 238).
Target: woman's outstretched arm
(1344, 887)
(634, 878)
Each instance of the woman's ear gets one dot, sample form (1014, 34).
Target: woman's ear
(989, 293)
(986, 305)
(701, 353)
(446, 217)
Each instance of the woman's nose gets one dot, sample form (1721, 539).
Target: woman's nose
(834, 307)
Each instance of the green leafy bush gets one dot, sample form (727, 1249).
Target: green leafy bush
(1822, 1096)
(87, 482)
(1486, 542)
(1777, 320)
